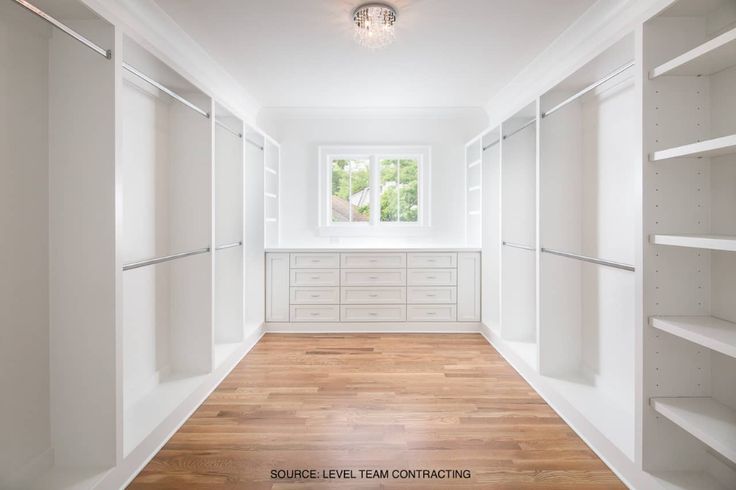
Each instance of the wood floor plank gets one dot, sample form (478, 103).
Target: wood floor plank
(375, 401)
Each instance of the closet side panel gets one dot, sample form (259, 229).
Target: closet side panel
(491, 258)
(255, 259)
(83, 260)
(24, 313)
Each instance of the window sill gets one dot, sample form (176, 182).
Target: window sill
(372, 231)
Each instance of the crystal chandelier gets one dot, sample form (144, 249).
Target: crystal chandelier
(374, 25)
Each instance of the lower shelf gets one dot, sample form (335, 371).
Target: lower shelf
(707, 331)
(708, 242)
(687, 480)
(527, 351)
(711, 422)
(224, 350)
(152, 409)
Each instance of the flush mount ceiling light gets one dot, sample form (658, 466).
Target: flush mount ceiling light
(374, 25)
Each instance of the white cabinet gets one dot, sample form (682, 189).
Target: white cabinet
(318, 286)
(468, 287)
(277, 287)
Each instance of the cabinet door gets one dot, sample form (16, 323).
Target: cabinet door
(277, 287)
(468, 287)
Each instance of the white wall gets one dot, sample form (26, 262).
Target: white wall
(300, 132)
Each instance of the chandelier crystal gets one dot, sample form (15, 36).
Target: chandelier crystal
(374, 25)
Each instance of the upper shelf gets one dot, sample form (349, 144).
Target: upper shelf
(708, 58)
(713, 333)
(703, 149)
(710, 242)
(710, 421)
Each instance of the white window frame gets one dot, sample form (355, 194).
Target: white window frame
(374, 227)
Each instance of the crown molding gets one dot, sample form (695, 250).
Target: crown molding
(600, 26)
(370, 112)
(147, 24)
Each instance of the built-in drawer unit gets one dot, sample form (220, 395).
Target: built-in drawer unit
(315, 261)
(373, 313)
(434, 313)
(393, 260)
(362, 286)
(314, 296)
(426, 260)
(315, 277)
(431, 294)
(372, 296)
(315, 313)
(432, 277)
(373, 277)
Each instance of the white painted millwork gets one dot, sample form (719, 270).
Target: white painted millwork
(408, 286)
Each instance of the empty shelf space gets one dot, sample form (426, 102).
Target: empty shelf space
(687, 480)
(710, 332)
(708, 58)
(703, 149)
(710, 242)
(711, 422)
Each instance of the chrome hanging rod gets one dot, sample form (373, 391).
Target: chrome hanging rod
(590, 87)
(519, 246)
(253, 143)
(66, 29)
(229, 245)
(168, 258)
(522, 128)
(173, 94)
(228, 128)
(592, 260)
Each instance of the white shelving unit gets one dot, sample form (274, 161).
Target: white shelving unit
(689, 421)
(272, 164)
(473, 192)
(491, 229)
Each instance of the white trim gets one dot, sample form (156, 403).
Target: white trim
(375, 327)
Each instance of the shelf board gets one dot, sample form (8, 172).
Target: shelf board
(708, 58)
(710, 242)
(713, 333)
(687, 480)
(474, 163)
(704, 149)
(474, 188)
(711, 422)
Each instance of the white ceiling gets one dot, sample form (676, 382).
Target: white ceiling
(300, 53)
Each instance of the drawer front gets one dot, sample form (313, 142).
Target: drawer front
(437, 313)
(432, 277)
(315, 277)
(372, 296)
(432, 295)
(376, 313)
(314, 296)
(365, 277)
(373, 261)
(315, 261)
(315, 313)
(428, 260)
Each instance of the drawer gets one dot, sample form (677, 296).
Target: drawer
(374, 313)
(314, 296)
(315, 313)
(431, 260)
(315, 277)
(373, 260)
(436, 313)
(380, 296)
(432, 277)
(366, 277)
(315, 261)
(431, 295)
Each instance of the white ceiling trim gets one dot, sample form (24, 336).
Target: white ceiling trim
(601, 26)
(370, 112)
(150, 26)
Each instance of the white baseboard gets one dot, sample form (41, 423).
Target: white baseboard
(369, 327)
(123, 473)
(627, 470)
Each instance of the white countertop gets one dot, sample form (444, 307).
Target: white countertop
(371, 250)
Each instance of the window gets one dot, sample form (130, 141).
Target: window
(373, 190)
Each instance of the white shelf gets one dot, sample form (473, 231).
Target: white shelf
(715, 334)
(687, 480)
(475, 188)
(708, 58)
(474, 213)
(709, 242)
(474, 163)
(703, 149)
(703, 417)
(270, 170)
(271, 220)
(271, 195)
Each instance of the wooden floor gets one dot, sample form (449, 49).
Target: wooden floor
(375, 402)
